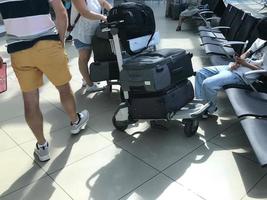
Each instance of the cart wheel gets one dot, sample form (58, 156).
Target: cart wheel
(190, 127)
(170, 116)
(122, 96)
(123, 123)
(121, 126)
(131, 120)
(109, 88)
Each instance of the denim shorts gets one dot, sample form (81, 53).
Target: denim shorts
(80, 45)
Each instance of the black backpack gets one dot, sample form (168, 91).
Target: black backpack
(138, 21)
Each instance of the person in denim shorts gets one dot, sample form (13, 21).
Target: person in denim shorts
(84, 29)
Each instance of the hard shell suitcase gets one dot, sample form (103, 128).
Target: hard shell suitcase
(156, 70)
(158, 105)
(102, 71)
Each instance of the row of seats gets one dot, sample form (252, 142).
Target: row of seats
(236, 31)
(236, 26)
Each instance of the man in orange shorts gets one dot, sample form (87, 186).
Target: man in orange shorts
(36, 47)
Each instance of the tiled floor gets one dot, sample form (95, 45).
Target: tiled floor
(141, 163)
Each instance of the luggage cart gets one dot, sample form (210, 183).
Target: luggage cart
(189, 114)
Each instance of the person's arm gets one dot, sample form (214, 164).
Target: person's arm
(245, 54)
(61, 19)
(237, 63)
(81, 6)
(243, 62)
(105, 4)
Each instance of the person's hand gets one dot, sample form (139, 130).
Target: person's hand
(104, 18)
(234, 66)
(240, 61)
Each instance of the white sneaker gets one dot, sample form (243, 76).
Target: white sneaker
(90, 89)
(42, 152)
(83, 83)
(81, 124)
(209, 114)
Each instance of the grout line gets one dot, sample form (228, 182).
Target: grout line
(24, 186)
(78, 160)
(253, 186)
(140, 185)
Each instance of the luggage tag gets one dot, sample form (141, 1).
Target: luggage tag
(3, 78)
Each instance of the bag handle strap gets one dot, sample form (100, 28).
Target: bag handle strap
(77, 18)
(260, 48)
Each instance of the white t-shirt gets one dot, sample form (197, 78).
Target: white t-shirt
(85, 28)
(259, 58)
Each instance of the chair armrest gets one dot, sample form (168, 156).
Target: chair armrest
(212, 18)
(229, 43)
(201, 14)
(257, 72)
(220, 27)
(202, 9)
(247, 80)
(205, 12)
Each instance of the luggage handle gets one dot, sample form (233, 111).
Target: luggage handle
(177, 69)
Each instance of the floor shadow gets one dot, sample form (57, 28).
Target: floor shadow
(107, 182)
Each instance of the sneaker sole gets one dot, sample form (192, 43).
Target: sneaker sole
(74, 132)
(42, 158)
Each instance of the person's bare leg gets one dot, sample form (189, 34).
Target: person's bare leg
(68, 101)
(33, 115)
(84, 56)
(180, 21)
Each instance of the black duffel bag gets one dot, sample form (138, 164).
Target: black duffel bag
(138, 21)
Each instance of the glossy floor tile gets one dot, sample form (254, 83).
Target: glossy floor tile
(17, 170)
(107, 174)
(161, 188)
(43, 189)
(215, 173)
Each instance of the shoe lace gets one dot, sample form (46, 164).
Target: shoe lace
(79, 119)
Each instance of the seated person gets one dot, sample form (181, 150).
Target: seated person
(189, 12)
(209, 80)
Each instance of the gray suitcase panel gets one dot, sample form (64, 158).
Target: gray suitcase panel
(147, 73)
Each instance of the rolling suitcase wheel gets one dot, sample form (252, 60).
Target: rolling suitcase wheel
(120, 119)
(190, 127)
(119, 125)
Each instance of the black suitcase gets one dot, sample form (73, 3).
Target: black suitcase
(180, 64)
(102, 49)
(101, 46)
(102, 71)
(156, 70)
(158, 105)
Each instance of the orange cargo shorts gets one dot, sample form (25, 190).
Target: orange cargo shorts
(45, 57)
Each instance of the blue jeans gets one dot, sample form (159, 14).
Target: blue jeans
(209, 80)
